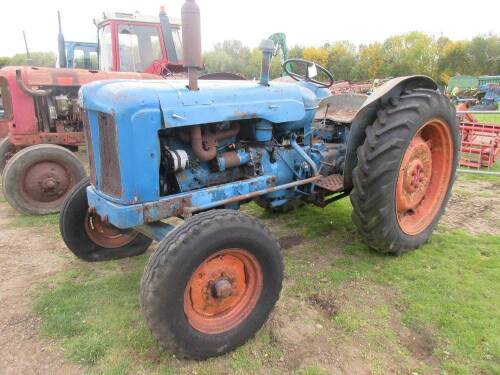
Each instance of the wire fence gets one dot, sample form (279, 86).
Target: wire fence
(480, 143)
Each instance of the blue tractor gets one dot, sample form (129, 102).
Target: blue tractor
(195, 151)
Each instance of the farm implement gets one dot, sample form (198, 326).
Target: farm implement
(196, 150)
(480, 140)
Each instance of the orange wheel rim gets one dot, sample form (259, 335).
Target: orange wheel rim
(424, 176)
(223, 291)
(107, 235)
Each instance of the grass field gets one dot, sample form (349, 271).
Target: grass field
(343, 306)
(491, 118)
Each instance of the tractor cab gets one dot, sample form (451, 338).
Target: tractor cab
(131, 42)
(81, 55)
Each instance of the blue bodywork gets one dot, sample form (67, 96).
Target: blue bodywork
(81, 55)
(149, 117)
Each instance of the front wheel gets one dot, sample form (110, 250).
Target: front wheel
(91, 239)
(405, 171)
(37, 179)
(211, 284)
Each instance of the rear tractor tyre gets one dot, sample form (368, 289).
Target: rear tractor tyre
(7, 149)
(211, 284)
(91, 239)
(405, 172)
(37, 179)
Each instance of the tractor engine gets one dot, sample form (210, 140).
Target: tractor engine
(169, 141)
(58, 110)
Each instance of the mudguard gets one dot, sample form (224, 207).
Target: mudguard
(367, 114)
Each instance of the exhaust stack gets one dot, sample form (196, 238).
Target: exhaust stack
(191, 41)
(61, 44)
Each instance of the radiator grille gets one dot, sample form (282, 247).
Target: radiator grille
(90, 149)
(109, 182)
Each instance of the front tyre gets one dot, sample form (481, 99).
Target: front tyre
(211, 284)
(91, 239)
(405, 171)
(37, 179)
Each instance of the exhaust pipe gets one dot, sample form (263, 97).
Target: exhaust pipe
(191, 41)
(61, 44)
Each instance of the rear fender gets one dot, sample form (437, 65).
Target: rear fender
(367, 114)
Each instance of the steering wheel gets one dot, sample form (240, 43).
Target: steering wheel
(300, 77)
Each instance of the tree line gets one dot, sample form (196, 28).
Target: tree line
(398, 55)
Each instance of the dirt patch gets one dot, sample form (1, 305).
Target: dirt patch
(419, 342)
(474, 207)
(27, 258)
(289, 241)
(325, 303)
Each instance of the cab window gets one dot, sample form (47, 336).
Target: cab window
(105, 48)
(139, 47)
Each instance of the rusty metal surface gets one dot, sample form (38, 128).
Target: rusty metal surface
(170, 208)
(67, 139)
(333, 183)
(38, 76)
(341, 107)
(110, 180)
(45, 182)
(90, 148)
(249, 196)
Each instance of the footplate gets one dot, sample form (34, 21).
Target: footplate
(333, 183)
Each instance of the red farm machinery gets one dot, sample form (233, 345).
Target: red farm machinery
(480, 140)
(40, 121)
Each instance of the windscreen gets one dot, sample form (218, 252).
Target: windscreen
(139, 47)
(105, 49)
(84, 58)
(176, 33)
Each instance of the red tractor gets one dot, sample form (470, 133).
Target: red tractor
(41, 120)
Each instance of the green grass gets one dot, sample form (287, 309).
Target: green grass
(481, 177)
(447, 292)
(31, 221)
(491, 118)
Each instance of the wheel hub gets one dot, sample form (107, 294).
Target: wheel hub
(222, 291)
(222, 288)
(46, 181)
(424, 176)
(105, 234)
(416, 169)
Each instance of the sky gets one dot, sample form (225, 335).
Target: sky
(311, 22)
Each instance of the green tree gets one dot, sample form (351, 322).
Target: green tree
(47, 59)
(342, 59)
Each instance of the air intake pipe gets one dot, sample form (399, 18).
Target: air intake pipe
(191, 41)
(268, 48)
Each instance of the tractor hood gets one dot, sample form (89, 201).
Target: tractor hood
(216, 101)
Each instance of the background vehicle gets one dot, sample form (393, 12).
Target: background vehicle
(197, 150)
(81, 55)
(41, 120)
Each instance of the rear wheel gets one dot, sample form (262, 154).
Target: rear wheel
(211, 284)
(7, 149)
(37, 179)
(91, 239)
(405, 171)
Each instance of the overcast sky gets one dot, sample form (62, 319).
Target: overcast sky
(310, 22)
